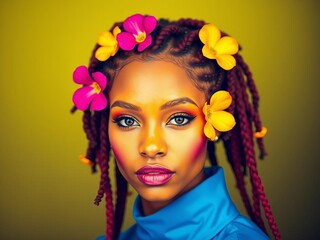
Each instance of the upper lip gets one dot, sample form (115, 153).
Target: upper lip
(154, 170)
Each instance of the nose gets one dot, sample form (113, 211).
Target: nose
(153, 146)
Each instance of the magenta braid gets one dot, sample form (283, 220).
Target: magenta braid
(246, 134)
(255, 102)
(245, 126)
(105, 186)
(187, 40)
(93, 143)
(164, 34)
(191, 23)
(234, 155)
(234, 150)
(122, 190)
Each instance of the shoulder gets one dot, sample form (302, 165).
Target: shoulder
(241, 228)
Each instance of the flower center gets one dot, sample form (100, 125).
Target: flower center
(96, 87)
(141, 37)
(213, 51)
(210, 113)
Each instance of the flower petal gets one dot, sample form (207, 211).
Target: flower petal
(209, 131)
(227, 62)
(209, 34)
(101, 79)
(134, 24)
(226, 46)
(208, 53)
(116, 31)
(205, 109)
(81, 75)
(222, 121)
(106, 39)
(103, 53)
(261, 133)
(115, 50)
(149, 24)
(82, 97)
(220, 100)
(146, 43)
(99, 102)
(126, 41)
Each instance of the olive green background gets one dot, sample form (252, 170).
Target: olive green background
(46, 193)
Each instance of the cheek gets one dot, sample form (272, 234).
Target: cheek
(117, 145)
(124, 146)
(189, 147)
(196, 148)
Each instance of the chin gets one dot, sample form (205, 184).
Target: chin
(157, 194)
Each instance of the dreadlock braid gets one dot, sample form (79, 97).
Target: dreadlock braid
(164, 34)
(105, 186)
(122, 190)
(93, 143)
(255, 102)
(246, 136)
(191, 23)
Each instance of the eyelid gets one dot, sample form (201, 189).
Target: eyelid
(119, 118)
(190, 118)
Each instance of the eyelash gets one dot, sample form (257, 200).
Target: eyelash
(185, 116)
(122, 118)
(186, 120)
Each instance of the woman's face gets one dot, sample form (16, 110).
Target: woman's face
(156, 129)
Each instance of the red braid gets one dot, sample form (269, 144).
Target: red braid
(105, 186)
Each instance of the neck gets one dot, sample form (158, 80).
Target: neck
(150, 207)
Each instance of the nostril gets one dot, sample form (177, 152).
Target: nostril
(160, 153)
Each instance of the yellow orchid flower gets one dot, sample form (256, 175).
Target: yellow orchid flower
(109, 44)
(218, 48)
(217, 119)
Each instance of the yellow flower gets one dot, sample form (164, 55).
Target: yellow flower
(109, 44)
(261, 133)
(217, 119)
(218, 48)
(85, 160)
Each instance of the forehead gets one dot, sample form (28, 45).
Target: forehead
(140, 81)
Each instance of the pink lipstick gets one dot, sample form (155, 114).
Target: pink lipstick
(154, 175)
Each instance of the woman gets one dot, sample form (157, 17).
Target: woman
(158, 95)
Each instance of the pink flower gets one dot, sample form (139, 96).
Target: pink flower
(138, 29)
(92, 90)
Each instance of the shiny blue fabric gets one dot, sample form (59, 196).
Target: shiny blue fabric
(205, 212)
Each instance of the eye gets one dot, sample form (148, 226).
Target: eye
(126, 122)
(180, 119)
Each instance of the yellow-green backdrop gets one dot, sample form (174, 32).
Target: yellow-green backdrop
(46, 193)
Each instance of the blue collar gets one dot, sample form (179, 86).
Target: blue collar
(200, 213)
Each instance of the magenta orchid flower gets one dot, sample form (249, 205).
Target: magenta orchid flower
(138, 29)
(92, 91)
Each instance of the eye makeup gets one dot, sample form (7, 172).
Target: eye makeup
(180, 119)
(125, 121)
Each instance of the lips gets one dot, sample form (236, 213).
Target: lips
(154, 175)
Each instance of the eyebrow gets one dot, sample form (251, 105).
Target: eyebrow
(125, 105)
(169, 104)
(177, 101)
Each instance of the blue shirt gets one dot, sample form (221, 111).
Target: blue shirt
(204, 212)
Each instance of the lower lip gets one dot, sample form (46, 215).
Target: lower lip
(154, 179)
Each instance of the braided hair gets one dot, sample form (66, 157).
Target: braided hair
(178, 41)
